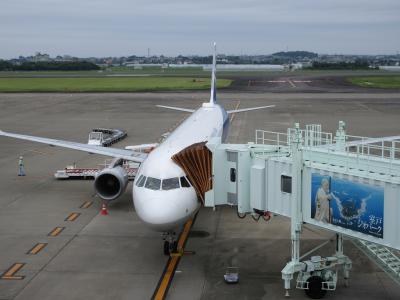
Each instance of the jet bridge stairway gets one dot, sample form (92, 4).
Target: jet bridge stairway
(384, 257)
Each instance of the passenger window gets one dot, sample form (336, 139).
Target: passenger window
(286, 184)
(233, 175)
(153, 183)
(184, 182)
(138, 181)
(170, 183)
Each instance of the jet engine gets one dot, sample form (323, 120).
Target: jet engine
(111, 182)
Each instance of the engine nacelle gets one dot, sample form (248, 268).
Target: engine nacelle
(110, 183)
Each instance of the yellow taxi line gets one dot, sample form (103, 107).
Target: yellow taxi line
(86, 204)
(37, 248)
(9, 274)
(233, 115)
(169, 271)
(72, 217)
(56, 231)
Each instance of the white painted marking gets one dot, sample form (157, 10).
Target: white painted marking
(291, 83)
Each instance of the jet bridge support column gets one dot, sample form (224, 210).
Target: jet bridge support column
(296, 212)
(343, 259)
(319, 274)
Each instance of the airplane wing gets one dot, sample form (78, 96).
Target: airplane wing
(112, 152)
(142, 147)
(229, 111)
(177, 108)
(248, 109)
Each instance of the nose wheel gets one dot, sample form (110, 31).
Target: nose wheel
(170, 243)
(170, 247)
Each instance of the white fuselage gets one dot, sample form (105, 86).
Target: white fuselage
(162, 196)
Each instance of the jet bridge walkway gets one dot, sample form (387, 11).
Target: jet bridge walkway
(346, 184)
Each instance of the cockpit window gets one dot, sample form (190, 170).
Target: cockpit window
(141, 181)
(153, 183)
(140, 178)
(170, 183)
(184, 182)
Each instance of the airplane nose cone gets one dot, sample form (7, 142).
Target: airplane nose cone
(165, 210)
(155, 211)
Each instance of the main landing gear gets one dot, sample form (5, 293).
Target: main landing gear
(170, 243)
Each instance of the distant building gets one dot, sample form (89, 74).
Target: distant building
(41, 57)
(67, 58)
(390, 68)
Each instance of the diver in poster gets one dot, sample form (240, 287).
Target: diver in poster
(323, 210)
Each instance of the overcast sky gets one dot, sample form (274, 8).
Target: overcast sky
(170, 27)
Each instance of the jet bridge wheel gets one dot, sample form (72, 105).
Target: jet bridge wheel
(315, 290)
(241, 215)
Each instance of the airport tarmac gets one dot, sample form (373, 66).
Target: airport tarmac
(304, 83)
(116, 256)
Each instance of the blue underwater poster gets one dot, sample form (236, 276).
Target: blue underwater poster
(352, 205)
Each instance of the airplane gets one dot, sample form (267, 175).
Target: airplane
(163, 196)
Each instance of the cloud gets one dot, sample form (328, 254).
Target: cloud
(123, 27)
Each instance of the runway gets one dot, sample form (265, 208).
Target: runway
(116, 256)
(306, 82)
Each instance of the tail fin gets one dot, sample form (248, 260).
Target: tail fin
(213, 96)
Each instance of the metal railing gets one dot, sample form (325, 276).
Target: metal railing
(383, 149)
(345, 148)
(264, 137)
(312, 136)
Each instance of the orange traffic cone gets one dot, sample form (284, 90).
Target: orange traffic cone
(104, 211)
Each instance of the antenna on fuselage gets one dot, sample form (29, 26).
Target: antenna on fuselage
(213, 96)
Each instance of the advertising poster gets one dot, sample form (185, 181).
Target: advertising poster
(352, 205)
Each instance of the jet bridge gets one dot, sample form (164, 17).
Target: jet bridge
(346, 184)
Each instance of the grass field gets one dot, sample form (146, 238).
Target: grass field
(190, 72)
(106, 84)
(385, 82)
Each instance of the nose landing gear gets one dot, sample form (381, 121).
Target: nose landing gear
(170, 243)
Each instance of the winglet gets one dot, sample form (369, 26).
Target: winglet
(213, 96)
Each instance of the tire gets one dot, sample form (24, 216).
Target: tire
(241, 216)
(315, 290)
(166, 248)
(174, 247)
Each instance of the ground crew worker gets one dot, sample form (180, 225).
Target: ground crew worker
(21, 166)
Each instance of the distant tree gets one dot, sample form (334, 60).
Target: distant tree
(5, 65)
(295, 54)
(50, 66)
(358, 64)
